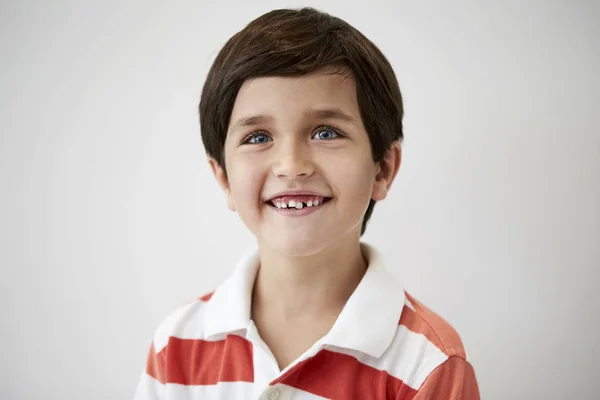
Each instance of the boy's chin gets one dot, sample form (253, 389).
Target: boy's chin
(296, 247)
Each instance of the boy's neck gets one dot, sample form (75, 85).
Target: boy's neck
(289, 289)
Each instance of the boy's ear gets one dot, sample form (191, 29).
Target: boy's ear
(387, 170)
(222, 180)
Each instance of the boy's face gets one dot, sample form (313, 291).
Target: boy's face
(295, 136)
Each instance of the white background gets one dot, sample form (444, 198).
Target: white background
(110, 218)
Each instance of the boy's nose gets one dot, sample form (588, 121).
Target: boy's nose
(293, 161)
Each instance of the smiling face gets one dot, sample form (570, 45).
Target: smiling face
(299, 143)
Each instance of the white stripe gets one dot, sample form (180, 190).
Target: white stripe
(290, 392)
(186, 322)
(229, 390)
(411, 357)
(222, 390)
(149, 388)
(166, 328)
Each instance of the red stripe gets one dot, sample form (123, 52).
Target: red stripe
(340, 376)
(155, 364)
(201, 362)
(416, 324)
(436, 329)
(207, 296)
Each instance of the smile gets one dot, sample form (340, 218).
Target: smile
(298, 205)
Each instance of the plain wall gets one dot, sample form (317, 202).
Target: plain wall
(110, 217)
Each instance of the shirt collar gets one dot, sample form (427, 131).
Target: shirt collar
(367, 323)
(229, 307)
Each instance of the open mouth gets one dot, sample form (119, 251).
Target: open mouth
(298, 204)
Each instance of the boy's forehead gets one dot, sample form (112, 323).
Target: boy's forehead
(319, 81)
(318, 94)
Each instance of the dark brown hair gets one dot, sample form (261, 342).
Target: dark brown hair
(293, 42)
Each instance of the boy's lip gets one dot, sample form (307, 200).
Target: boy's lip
(297, 193)
(294, 212)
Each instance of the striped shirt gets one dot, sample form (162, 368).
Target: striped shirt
(384, 345)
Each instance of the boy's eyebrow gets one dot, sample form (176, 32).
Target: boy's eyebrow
(326, 113)
(330, 113)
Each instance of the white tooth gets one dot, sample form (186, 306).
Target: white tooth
(309, 203)
(283, 205)
(316, 203)
(278, 205)
(299, 205)
(292, 203)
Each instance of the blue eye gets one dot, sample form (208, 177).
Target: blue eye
(257, 138)
(326, 134)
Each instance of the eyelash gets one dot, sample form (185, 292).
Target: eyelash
(319, 129)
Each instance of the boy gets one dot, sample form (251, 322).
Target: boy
(301, 118)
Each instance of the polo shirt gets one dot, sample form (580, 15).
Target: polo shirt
(384, 345)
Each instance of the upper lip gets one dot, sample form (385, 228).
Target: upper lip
(296, 193)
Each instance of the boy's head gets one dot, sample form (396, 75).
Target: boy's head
(300, 101)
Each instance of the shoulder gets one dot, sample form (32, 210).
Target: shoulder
(446, 373)
(424, 342)
(418, 318)
(185, 322)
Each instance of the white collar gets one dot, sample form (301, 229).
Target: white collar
(367, 323)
